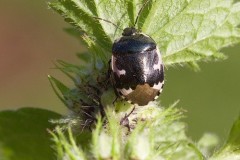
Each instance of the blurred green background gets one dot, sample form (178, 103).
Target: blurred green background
(32, 38)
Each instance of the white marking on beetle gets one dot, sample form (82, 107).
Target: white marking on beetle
(121, 72)
(115, 69)
(145, 77)
(158, 86)
(158, 65)
(125, 91)
(156, 97)
(145, 68)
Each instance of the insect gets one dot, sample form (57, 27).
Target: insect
(136, 67)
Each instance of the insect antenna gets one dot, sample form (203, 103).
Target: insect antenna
(117, 27)
(140, 11)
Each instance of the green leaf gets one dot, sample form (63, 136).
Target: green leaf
(66, 146)
(95, 139)
(186, 31)
(234, 136)
(59, 86)
(231, 150)
(24, 136)
(77, 13)
(190, 30)
(208, 143)
(74, 32)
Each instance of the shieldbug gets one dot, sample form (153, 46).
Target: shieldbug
(136, 67)
(137, 70)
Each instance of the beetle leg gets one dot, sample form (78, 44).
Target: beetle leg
(125, 121)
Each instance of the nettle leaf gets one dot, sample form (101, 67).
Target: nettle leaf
(231, 150)
(24, 136)
(186, 31)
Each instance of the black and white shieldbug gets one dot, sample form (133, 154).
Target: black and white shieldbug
(136, 68)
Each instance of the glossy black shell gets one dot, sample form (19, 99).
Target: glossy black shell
(136, 43)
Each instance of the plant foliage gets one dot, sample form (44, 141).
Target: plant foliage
(24, 136)
(186, 31)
